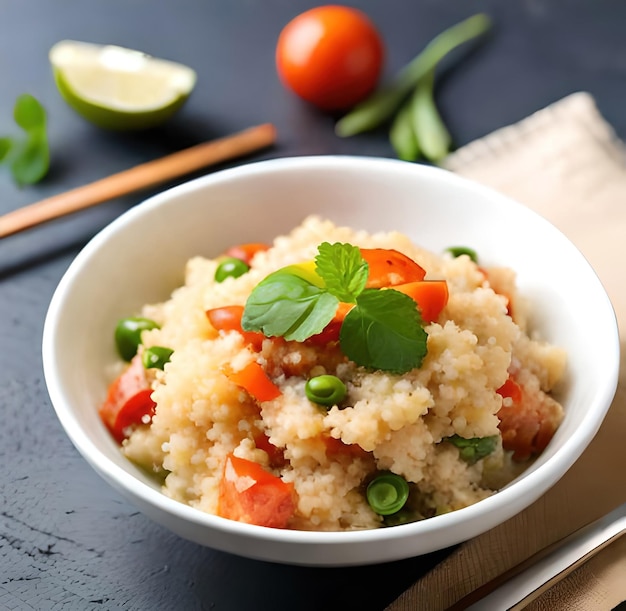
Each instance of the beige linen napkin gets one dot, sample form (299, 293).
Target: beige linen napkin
(566, 163)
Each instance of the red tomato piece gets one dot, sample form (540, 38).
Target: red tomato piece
(246, 252)
(228, 318)
(128, 401)
(511, 389)
(431, 296)
(331, 56)
(336, 447)
(255, 381)
(331, 331)
(529, 423)
(388, 267)
(248, 493)
(276, 455)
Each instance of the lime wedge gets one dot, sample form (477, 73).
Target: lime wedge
(119, 88)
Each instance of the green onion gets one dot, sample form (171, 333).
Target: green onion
(155, 357)
(457, 251)
(325, 390)
(402, 135)
(387, 493)
(428, 126)
(382, 105)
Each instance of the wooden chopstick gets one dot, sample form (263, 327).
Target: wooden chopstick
(139, 177)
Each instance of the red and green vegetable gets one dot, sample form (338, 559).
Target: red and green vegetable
(382, 329)
(331, 56)
(128, 402)
(473, 449)
(407, 102)
(253, 379)
(248, 493)
(387, 493)
(128, 335)
(326, 390)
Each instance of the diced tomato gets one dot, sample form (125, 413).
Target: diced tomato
(246, 252)
(509, 301)
(128, 401)
(248, 493)
(484, 272)
(430, 295)
(276, 455)
(255, 381)
(336, 447)
(228, 318)
(388, 267)
(529, 423)
(510, 389)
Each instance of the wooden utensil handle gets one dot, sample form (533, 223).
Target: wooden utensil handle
(139, 177)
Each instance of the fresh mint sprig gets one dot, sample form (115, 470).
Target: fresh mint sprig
(28, 157)
(384, 330)
(343, 270)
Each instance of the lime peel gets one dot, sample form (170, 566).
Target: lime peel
(119, 88)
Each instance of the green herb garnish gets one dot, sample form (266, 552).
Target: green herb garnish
(473, 449)
(343, 270)
(286, 305)
(384, 330)
(28, 157)
(457, 251)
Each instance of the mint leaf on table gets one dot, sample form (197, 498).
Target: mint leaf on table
(384, 331)
(31, 162)
(471, 450)
(289, 306)
(28, 113)
(6, 144)
(343, 270)
(29, 157)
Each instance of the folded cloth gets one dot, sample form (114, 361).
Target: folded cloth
(566, 163)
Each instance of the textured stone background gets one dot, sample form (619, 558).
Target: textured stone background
(67, 540)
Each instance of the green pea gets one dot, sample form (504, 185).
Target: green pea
(128, 335)
(387, 493)
(325, 390)
(230, 267)
(156, 357)
(403, 516)
(457, 251)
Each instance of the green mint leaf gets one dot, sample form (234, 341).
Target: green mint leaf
(289, 306)
(343, 270)
(384, 331)
(473, 449)
(28, 157)
(31, 160)
(6, 144)
(28, 113)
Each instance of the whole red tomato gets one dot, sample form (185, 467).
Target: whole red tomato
(331, 56)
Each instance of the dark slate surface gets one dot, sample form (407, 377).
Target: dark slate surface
(67, 540)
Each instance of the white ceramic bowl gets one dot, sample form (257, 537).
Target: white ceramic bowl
(139, 258)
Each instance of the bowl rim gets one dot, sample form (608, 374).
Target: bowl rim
(540, 479)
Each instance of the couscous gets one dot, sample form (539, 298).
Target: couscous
(335, 380)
